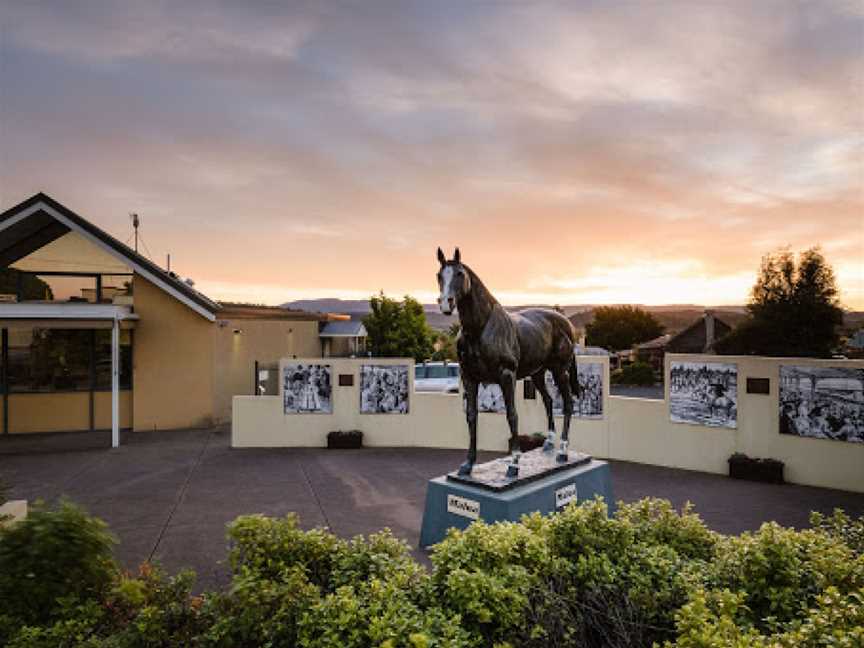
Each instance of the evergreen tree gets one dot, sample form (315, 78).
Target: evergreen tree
(794, 309)
(398, 329)
(617, 328)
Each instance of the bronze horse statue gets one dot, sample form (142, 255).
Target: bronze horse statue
(496, 346)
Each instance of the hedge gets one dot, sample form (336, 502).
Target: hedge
(649, 575)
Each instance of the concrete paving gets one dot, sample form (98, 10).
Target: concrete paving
(168, 495)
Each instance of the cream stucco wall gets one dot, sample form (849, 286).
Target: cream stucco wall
(266, 341)
(632, 429)
(433, 420)
(173, 362)
(64, 411)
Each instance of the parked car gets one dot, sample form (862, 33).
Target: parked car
(437, 377)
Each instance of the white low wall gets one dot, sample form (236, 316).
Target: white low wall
(631, 429)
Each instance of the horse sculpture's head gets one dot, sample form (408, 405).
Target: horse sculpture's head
(453, 280)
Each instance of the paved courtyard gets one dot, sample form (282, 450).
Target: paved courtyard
(169, 495)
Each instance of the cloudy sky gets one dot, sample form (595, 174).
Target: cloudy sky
(577, 152)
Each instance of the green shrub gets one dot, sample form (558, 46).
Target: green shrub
(260, 612)
(655, 521)
(637, 373)
(779, 572)
(51, 557)
(647, 576)
(718, 620)
(840, 526)
(380, 613)
(154, 610)
(269, 548)
(380, 555)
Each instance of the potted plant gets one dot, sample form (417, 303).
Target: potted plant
(345, 439)
(763, 470)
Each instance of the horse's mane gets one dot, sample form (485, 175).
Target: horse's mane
(482, 302)
(478, 286)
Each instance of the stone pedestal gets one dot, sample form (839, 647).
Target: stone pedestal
(543, 485)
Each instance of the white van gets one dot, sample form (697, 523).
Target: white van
(437, 377)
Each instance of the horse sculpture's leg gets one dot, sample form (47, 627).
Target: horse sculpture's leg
(471, 389)
(539, 380)
(508, 387)
(562, 381)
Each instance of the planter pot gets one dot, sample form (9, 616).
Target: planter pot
(15, 510)
(527, 443)
(761, 470)
(347, 440)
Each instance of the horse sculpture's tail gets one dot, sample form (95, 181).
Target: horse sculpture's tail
(574, 378)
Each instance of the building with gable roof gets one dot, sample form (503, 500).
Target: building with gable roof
(94, 335)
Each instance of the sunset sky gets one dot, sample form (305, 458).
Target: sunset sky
(577, 152)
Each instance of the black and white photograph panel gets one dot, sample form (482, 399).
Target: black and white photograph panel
(384, 389)
(307, 389)
(490, 399)
(822, 402)
(704, 393)
(589, 402)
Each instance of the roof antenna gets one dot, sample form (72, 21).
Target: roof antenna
(169, 262)
(135, 223)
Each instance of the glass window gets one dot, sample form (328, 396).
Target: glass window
(58, 360)
(103, 360)
(453, 371)
(46, 360)
(436, 371)
(419, 372)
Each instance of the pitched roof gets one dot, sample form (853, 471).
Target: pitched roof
(344, 328)
(656, 343)
(40, 219)
(697, 323)
(229, 310)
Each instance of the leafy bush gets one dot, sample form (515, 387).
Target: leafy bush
(52, 557)
(269, 548)
(638, 373)
(647, 576)
(840, 526)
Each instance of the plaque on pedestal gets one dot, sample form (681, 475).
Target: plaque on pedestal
(543, 485)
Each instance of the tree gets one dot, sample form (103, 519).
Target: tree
(620, 327)
(398, 329)
(445, 343)
(32, 286)
(793, 311)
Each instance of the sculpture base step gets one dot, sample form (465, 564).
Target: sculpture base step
(456, 503)
(533, 465)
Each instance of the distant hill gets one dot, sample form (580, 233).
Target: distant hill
(673, 317)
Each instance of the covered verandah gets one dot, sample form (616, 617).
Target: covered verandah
(86, 321)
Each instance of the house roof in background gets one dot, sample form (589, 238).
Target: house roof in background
(40, 219)
(230, 310)
(349, 328)
(591, 351)
(856, 341)
(656, 343)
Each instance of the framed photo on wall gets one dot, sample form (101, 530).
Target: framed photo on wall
(589, 402)
(307, 389)
(822, 402)
(384, 389)
(704, 393)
